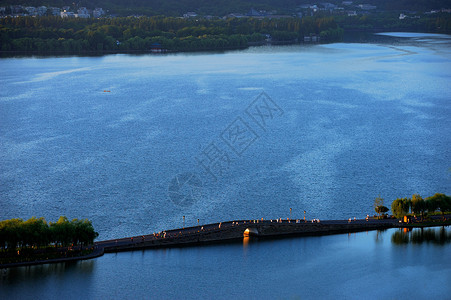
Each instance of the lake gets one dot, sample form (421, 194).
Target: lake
(136, 142)
(368, 265)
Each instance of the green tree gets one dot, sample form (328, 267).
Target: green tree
(407, 203)
(11, 233)
(399, 208)
(432, 204)
(62, 231)
(440, 201)
(418, 205)
(381, 209)
(84, 233)
(35, 232)
(378, 202)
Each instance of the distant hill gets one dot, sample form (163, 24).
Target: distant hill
(220, 7)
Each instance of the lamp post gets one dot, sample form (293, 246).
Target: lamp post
(290, 213)
(304, 215)
(183, 222)
(197, 222)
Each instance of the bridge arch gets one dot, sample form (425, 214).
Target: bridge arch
(250, 232)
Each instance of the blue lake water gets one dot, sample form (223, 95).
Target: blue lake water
(367, 265)
(105, 138)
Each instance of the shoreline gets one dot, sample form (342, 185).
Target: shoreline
(97, 252)
(235, 231)
(94, 53)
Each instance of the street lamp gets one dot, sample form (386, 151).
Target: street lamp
(304, 215)
(183, 222)
(290, 213)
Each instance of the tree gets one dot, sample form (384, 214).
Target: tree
(418, 205)
(432, 204)
(36, 233)
(440, 201)
(378, 202)
(400, 207)
(11, 233)
(47, 34)
(407, 203)
(381, 209)
(84, 232)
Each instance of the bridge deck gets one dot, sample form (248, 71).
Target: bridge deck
(233, 230)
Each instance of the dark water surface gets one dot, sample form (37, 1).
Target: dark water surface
(368, 265)
(125, 141)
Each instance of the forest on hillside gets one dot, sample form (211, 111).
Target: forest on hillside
(47, 34)
(77, 35)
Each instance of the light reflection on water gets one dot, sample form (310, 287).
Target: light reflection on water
(434, 236)
(341, 266)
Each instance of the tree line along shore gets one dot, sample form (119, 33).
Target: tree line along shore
(47, 34)
(416, 205)
(124, 34)
(35, 238)
(401, 207)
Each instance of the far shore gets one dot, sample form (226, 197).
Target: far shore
(93, 53)
(142, 52)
